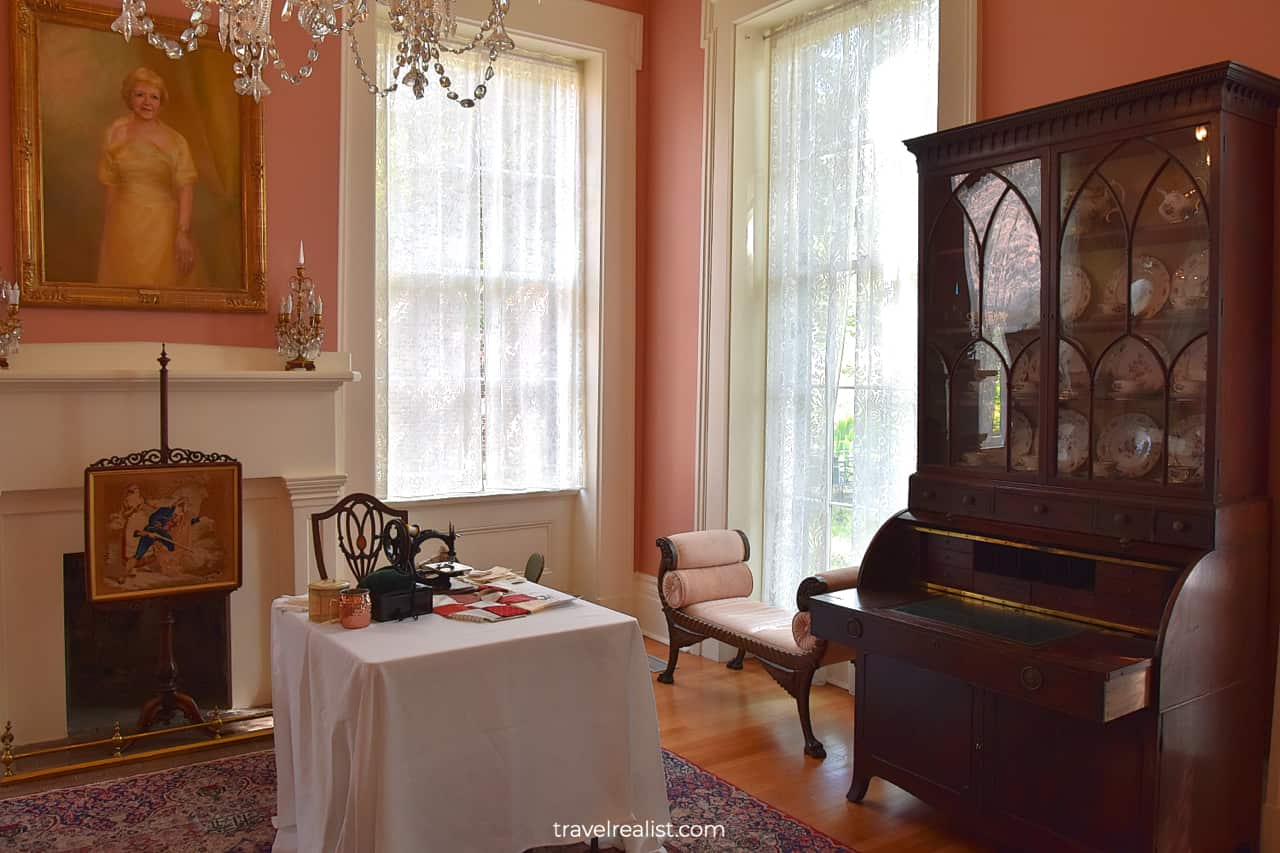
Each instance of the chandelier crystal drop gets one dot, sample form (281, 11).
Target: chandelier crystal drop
(427, 30)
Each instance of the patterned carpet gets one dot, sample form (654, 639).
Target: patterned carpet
(225, 806)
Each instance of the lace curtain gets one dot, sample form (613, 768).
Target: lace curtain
(479, 284)
(846, 89)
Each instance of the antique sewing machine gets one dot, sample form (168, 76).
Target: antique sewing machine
(402, 544)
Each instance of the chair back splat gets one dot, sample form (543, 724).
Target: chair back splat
(360, 519)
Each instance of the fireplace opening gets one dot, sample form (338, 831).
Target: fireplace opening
(113, 654)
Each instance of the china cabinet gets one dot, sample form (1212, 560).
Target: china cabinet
(1065, 636)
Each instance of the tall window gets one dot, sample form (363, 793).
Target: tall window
(846, 88)
(480, 284)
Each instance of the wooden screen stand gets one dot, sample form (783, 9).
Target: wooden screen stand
(161, 707)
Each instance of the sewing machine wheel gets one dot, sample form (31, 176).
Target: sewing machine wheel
(397, 544)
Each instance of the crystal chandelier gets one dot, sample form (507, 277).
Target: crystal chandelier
(427, 31)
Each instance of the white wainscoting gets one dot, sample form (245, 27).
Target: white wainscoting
(65, 406)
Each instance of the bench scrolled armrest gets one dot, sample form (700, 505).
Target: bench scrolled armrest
(832, 581)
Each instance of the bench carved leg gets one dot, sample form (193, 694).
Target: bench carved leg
(858, 789)
(736, 663)
(797, 682)
(678, 639)
(812, 746)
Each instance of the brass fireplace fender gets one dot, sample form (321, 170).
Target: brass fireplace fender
(119, 745)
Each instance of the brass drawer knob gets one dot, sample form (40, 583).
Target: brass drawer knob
(1031, 678)
(968, 500)
(1179, 526)
(1039, 509)
(928, 494)
(854, 628)
(1120, 518)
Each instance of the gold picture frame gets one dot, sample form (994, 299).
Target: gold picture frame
(156, 528)
(78, 238)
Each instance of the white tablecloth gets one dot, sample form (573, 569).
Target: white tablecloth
(442, 735)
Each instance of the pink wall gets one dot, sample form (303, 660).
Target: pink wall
(1035, 53)
(1032, 53)
(667, 316)
(302, 202)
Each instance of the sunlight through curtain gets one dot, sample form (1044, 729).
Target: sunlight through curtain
(480, 286)
(846, 88)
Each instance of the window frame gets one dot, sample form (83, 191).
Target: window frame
(383, 279)
(600, 516)
(729, 487)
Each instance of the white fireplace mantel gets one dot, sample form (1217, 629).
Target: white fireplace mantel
(65, 406)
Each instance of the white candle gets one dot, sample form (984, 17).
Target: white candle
(319, 305)
(15, 295)
(302, 258)
(288, 304)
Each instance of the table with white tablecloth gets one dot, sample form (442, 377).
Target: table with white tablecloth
(444, 735)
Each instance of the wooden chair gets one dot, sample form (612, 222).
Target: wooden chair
(360, 520)
(704, 584)
(533, 568)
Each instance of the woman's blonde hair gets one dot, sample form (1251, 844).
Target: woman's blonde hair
(143, 74)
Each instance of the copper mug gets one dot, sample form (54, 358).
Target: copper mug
(355, 609)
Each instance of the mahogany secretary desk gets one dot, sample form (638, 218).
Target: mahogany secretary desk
(1064, 638)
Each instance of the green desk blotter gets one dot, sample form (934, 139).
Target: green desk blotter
(1030, 629)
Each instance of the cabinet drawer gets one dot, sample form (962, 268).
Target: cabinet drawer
(1063, 598)
(945, 557)
(1124, 522)
(1087, 691)
(923, 495)
(1133, 582)
(959, 577)
(1132, 595)
(1184, 528)
(954, 498)
(1061, 513)
(1002, 586)
(951, 544)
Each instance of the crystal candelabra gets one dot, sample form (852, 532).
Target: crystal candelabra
(427, 30)
(10, 324)
(300, 325)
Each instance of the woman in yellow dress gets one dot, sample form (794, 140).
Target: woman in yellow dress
(150, 178)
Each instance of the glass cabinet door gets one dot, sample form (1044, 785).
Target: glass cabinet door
(981, 313)
(1133, 306)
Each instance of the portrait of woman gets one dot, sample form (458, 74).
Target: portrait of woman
(148, 188)
(149, 176)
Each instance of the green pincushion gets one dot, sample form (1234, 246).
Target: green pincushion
(386, 580)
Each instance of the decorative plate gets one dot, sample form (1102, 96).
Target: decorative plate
(1191, 281)
(1148, 298)
(1074, 291)
(1186, 449)
(1073, 440)
(1133, 443)
(1192, 369)
(1073, 376)
(1131, 367)
(1022, 442)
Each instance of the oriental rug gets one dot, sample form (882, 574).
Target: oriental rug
(225, 806)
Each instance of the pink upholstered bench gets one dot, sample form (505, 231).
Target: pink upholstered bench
(704, 584)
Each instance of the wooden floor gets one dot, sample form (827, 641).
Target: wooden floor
(744, 728)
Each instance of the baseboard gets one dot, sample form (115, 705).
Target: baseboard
(649, 607)
(653, 624)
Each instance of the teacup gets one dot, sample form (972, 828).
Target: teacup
(1177, 206)
(1188, 387)
(1126, 386)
